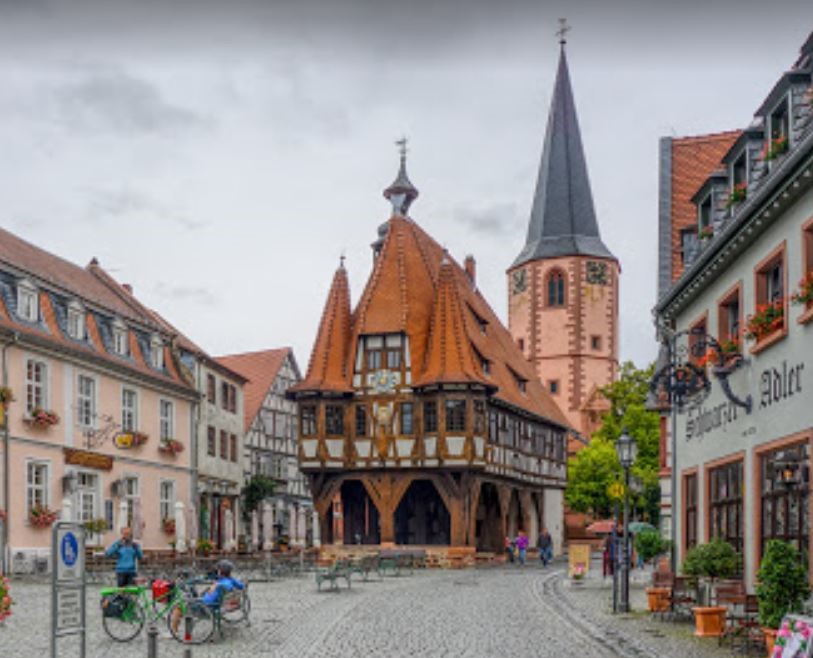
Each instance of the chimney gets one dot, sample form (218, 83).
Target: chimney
(127, 287)
(471, 269)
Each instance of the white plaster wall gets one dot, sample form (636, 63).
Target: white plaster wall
(554, 517)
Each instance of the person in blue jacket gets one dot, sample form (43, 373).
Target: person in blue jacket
(127, 553)
(222, 586)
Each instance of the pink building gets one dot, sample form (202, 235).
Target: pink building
(101, 422)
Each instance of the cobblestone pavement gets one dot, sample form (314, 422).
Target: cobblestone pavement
(481, 613)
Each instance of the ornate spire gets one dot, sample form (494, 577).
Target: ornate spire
(563, 219)
(402, 192)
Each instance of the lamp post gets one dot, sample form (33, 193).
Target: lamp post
(627, 450)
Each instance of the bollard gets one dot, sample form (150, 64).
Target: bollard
(152, 641)
(187, 652)
(187, 629)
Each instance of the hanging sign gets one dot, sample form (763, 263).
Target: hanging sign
(88, 459)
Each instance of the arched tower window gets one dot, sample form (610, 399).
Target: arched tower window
(556, 288)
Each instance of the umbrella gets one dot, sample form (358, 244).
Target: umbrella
(601, 527)
(640, 526)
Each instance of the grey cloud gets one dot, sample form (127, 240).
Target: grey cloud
(499, 219)
(119, 102)
(192, 294)
(106, 204)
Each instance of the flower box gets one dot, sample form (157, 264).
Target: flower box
(42, 517)
(168, 526)
(804, 295)
(5, 599)
(738, 195)
(776, 147)
(39, 417)
(705, 233)
(768, 319)
(170, 446)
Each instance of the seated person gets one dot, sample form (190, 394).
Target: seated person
(213, 596)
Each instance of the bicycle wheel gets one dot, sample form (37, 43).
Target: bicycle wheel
(124, 623)
(238, 614)
(198, 629)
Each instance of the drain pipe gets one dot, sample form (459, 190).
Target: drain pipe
(4, 557)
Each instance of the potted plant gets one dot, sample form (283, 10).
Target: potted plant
(705, 233)
(95, 526)
(781, 587)
(711, 561)
(42, 517)
(649, 544)
(170, 446)
(768, 319)
(578, 573)
(5, 599)
(39, 417)
(204, 547)
(168, 526)
(737, 195)
(804, 295)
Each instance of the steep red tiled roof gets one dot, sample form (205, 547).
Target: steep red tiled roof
(407, 292)
(260, 369)
(694, 159)
(328, 369)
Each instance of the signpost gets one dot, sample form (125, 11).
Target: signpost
(68, 614)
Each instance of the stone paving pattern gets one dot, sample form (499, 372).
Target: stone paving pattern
(476, 613)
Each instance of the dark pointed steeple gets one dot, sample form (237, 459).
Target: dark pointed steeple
(402, 192)
(563, 219)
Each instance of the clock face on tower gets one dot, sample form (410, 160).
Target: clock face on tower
(597, 273)
(384, 381)
(519, 281)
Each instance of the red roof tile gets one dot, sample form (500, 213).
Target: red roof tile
(260, 369)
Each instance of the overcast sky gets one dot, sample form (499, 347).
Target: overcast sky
(221, 156)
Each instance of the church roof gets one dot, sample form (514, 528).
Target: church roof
(563, 218)
(418, 289)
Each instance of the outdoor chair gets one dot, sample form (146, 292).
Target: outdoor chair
(731, 594)
(683, 597)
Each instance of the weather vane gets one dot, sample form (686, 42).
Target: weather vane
(402, 146)
(564, 28)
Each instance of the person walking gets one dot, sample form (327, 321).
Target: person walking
(127, 553)
(522, 546)
(509, 548)
(545, 546)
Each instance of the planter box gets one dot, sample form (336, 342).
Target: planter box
(770, 639)
(709, 621)
(658, 598)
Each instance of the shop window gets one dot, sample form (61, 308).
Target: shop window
(334, 419)
(307, 419)
(361, 420)
(556, 288)
(725, 504)
(690, 510)
(455, 415)
(784, 509)
(430, 417)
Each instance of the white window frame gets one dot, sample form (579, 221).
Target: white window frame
(43, 384)
(157, 353)
(120, 338)
(166, 503)
(130, 497)
(93, 491)
(76, 316)
(132, 426)
(166, 422)
(81, 398)
(27, 290)
(43, 487)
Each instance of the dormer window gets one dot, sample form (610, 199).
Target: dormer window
(119, 338)
(739, 171)
(779, 121)
(485, 364)
(27, 302)
(76, 321)
(704, 227)
(482, 323)
(157, 353)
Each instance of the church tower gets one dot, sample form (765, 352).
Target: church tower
(563, 286)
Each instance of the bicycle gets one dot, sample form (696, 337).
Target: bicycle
(125, 610)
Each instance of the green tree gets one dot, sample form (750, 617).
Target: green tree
(258, 489)
(595, 467)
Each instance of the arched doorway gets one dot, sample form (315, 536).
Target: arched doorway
(516, 517)
(488, 525)
(361, 523)
(421, 517)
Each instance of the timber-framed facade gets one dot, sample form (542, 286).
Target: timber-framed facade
(420, 421)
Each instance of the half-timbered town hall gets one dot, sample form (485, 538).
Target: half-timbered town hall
(421, 422)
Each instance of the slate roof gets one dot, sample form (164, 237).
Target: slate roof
(563, 218)
(260, 369)
(418, 289)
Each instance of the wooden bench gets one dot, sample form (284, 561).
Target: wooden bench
(365, 566)
(332, 574)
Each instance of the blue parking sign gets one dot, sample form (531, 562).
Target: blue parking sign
(69, 549)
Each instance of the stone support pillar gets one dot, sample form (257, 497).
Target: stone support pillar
(302, 526)
(268, 525)
(180, 528)
(317, 534)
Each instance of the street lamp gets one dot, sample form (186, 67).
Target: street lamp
(627, 451)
